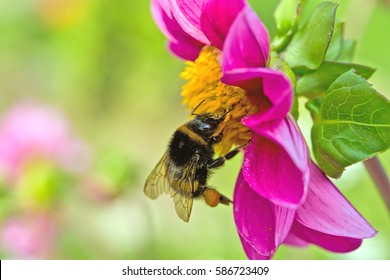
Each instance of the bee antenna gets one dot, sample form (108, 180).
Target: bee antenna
(197, 106)
(228, 111)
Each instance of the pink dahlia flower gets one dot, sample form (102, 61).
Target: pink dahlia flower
(280, 195)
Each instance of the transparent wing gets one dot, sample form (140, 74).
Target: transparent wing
(182, 187)
(183, 206)
(157, 182)
(178, 182)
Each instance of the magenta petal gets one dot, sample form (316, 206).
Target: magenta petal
(272, 84)
(326, 210)
(185, 50)
(217, 17)
(262, 225)
(276, 163)
(329, 242)
(251, 252)
(247, 43)
(162, 16)
(181, 44)
(187, 13)
(294, 240)
(287, 135)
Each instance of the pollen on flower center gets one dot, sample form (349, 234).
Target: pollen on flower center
(204, 85)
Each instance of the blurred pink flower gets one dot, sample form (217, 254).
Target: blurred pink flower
(31, 131)
(29, 236)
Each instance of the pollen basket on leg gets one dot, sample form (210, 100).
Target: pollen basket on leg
(204, 85)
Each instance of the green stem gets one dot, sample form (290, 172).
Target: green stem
(380, 178)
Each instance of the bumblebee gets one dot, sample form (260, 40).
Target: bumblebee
(188, 162)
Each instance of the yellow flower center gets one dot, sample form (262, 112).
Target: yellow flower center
(204, 86)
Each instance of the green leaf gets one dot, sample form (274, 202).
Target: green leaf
(352, 124)
(314, 106)
(308, 47)
(348, 51)
(280, 65)
(287, 17)
(315, 84)
(340, 49)
(295, 108)
(336, 44)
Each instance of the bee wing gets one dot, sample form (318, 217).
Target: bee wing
(183, 206)
(179, 183)
(183, 186)
(157, 182)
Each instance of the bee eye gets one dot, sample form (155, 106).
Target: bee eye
(206, 124)
(205, 127)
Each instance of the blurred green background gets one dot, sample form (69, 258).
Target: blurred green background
(105, 66)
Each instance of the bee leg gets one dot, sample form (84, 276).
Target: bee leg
(221, 160)
(213, 197)
(199, 191)
(224, 200)
(216, 139)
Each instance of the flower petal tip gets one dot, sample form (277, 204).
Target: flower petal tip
(188, 13)
(216, 22)
(326, 210)
(247, 43)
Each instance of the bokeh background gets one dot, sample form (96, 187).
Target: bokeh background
(89, 99)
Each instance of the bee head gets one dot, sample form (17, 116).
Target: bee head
(206, 124)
